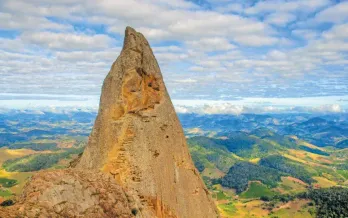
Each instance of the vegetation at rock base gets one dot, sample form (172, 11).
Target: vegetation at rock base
(7, 203)
(7, 183)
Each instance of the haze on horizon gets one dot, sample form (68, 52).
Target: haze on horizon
(217, 56)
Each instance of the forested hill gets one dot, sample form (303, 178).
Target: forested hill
(264, 158)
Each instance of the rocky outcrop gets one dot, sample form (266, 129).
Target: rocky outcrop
(138, 143)
(138, 139)
(72, 193)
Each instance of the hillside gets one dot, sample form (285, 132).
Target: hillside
(287, 167)
(290, 164)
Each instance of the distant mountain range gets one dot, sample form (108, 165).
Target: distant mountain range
(322, 130)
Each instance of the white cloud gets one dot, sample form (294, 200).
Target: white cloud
(42, 7)
(277, 55)
(49, 102)
(67, 41)
(329, 46)
(211, 44)
(91, 56)
(210, 63)
(197, 69)
(305, 33)
(228, 108)
(20, 22)
(69, 45)
(182, 109)
(336, 14)
(262, 105)
(193, 25)
(338, 32)
(233, 7)
(174, 3)
(281, 5)
(280, 19)
(170, 57)
(222, 109)
(189, 80)
(335, 108)
(150, 33)
(254, 40)
(13, 45)
(170, 48)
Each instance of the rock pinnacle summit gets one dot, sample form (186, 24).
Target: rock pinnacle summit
(136, 162)
(138, 139)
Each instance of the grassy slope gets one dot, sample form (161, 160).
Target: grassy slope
(318, 161)
(256, 190)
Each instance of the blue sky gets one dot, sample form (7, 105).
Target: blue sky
(208, 50)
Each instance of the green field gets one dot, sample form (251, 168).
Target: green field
(228, 209)
(257, 190)
(5, 193)
(222, 196)
(344, 173)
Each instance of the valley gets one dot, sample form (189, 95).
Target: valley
(254, 165)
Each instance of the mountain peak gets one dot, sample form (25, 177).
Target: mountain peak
(137, 141)
(137, 138)
(133, 39)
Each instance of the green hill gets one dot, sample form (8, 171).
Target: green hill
(287, 166)
(241, 173)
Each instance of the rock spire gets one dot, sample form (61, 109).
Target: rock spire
(138, 139)
(136, 163)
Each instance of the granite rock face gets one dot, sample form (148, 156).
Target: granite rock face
(71, 193)
(138, 139)
(136, 163)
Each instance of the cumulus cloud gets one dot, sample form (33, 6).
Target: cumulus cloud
(336, 13)
(334, 108)
(337, 32)
(90, 56)
(214, 49)
(21, 22)
(228, 108)
(211, 44)
(280, 19)
(305, 33)
(67, 41)
(232, 7)
(281, 5)
(254, 40)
